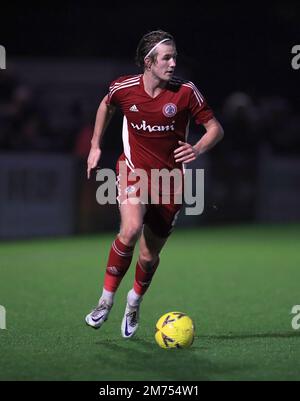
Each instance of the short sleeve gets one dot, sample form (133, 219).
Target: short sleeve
(112, 96)
(116, 92)
(198, 106)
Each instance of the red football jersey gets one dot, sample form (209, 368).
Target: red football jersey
(152, 127)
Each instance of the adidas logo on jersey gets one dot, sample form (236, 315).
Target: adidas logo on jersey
(134, 108)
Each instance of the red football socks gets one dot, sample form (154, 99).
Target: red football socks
(142, 278)
(119, 260)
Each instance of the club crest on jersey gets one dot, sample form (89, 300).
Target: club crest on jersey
(169, 110)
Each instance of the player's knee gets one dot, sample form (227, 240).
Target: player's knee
(148, 259)
(130, 234)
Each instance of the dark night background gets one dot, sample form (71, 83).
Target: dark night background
(238, 54)
(231, 45)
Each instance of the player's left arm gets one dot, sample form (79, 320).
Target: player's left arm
(186, 152)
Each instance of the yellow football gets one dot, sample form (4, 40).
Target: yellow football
(175, 330)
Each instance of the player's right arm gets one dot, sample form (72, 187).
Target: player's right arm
(104, 114)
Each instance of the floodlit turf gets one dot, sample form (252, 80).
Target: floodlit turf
(239, 285)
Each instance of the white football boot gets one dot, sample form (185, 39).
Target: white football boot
(98, 315)
(130, 322)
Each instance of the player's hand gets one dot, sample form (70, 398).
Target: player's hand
(185, 153)
(93, 159)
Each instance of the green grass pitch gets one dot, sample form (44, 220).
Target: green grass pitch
(239, 285)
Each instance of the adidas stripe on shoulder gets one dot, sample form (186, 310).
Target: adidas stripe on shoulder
(122, 83)
(188, 84)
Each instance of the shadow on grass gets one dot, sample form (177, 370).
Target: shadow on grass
(140, 359)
